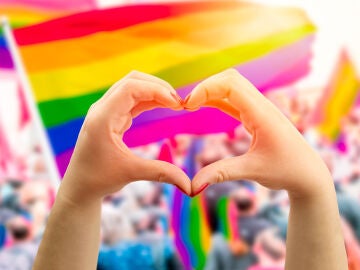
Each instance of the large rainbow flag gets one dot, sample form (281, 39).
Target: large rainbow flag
(72, 61)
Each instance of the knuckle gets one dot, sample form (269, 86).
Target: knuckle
(221, 176)
(133, 74)
(128, 84)
(92, 107)
(207, 92)
(231, 75)
(168, 85)
(92, 122)
(232, 72)
(232, 78)
(161, 177)
(128, 87)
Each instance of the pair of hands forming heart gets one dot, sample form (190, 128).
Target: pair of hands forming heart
(278, 158)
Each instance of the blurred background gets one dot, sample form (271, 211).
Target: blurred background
(60, 56)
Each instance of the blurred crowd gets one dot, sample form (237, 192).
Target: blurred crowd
(136, 228)
(24, 206)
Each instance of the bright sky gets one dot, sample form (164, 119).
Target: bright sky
(338, 23)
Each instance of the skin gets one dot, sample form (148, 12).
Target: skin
(279, 158)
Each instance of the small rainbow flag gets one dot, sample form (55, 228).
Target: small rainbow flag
(338, 98)
(72, 61)
(192, 234)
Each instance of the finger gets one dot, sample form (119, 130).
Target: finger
(149, 78)
(227, 84)
(147, 106)
(144, 106)
(164, 172)
(132, 92)
(225, 106)
(235, 168)
(139, 76)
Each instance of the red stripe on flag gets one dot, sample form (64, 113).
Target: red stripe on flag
(86, 23)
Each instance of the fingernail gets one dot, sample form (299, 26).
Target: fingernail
(187, 98)
(176, 97)
(186, 101)
(183, 191)
(204, 186)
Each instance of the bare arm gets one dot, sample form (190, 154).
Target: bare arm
(72, 236)
(102, 164)
(278, 158)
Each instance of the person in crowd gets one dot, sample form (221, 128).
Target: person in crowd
(278, 158)
(276, 211)
(352, 246)
(270, 251)
(9, 205)
(153, 202)
(36, 198)
(20, 255)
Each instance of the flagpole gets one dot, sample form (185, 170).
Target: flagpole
(30, 102)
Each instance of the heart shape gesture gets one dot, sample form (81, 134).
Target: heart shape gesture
(108, 164)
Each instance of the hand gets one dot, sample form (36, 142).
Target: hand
(278, 158)
(100, 168)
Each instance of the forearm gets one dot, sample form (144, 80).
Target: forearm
(314, 238)
(72, 236)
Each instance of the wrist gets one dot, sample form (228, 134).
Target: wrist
(320, 198)
(77, 193)
(314, 184)
(76, 205)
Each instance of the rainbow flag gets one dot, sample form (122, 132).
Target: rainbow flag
(338, 98)
(72, 61)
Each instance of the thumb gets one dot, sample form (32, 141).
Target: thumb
(164, 172)
(235, 168)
